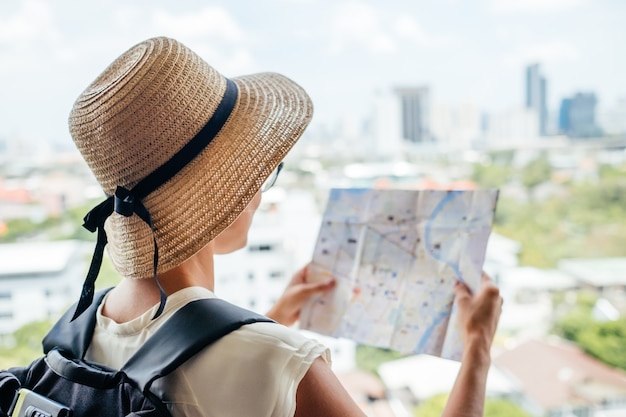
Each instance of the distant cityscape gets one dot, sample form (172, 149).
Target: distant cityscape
(410, 118)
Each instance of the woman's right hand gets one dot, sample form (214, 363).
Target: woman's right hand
(287, 309)
(478, 315)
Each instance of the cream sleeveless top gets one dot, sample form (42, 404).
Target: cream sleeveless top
(253, 371)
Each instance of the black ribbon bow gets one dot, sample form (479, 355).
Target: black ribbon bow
(129, 202)
(125, 203)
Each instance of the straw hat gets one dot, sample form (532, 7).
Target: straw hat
(143, 111)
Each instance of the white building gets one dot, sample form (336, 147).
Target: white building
(386, 128)
(528, 309)
(38, 280)
(512, 127)
(613, 119)
(414, 379)
(456, 126)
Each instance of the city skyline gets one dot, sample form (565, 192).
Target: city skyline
(341, 52)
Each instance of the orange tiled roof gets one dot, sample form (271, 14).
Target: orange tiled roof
(17, 195)
(557, 373)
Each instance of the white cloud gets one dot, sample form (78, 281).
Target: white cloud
(406, 27)
(378, 31)
(214, 34)
(230, 62)
(212, 21)
(32, 28)
(546, 52)
(532, 6)
(359, 25)
(33, 22)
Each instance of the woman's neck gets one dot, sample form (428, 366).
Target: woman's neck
(133, 297)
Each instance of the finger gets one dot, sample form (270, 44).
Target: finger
(462, 293)
(315, 287)
(301, 274)
(491, 294)
(486, 279)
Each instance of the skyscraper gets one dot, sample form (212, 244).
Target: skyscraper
(415, 113)
(577, 117)
(536, 92)
(564, 124)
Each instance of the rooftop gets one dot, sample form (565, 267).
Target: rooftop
(36, 257)
(427, 375)
(599, 272)
(556, 373)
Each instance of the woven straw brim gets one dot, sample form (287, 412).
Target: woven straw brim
(208, 194)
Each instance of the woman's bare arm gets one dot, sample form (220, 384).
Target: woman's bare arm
(320, 393)
(478, 320)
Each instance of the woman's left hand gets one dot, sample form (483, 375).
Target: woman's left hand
(287, 309)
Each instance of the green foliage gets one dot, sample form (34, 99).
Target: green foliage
(573, 324)
(605, 341)
(537, 171)
(586, 300)
(609, 171)
(66, 226)
(610, 192)
(433, 407)
(18, 228)
(589, 222)
(369, 358)
(491, 176)
(503, 408)
(25, 345)
(504, 157)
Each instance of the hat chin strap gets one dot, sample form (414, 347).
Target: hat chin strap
(122, 202)
(129, 202)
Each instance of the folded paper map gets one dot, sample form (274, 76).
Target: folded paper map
(395, 255)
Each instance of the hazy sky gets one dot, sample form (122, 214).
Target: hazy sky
(340, 51)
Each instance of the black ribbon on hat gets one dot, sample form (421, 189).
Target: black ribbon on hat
(129, 202)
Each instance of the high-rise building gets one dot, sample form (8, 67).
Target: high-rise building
(566, 104)
(613, 119)
(456, 125)
(385, 126)
(512, 127)
(536, 93)
(415, 113)
(577, 116)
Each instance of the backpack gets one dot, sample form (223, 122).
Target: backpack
(62, 383)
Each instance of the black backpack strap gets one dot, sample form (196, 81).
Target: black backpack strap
(74, 336)
(187, 332)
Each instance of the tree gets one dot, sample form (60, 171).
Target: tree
(605, 341)
(491, 176)
(536, 172)
(433, 407)
(25, 346)
(369, 358)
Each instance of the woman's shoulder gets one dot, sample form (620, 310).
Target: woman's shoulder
(260, 335)
(273, 335)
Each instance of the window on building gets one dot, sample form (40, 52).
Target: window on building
(276, 274)
(266, 247)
